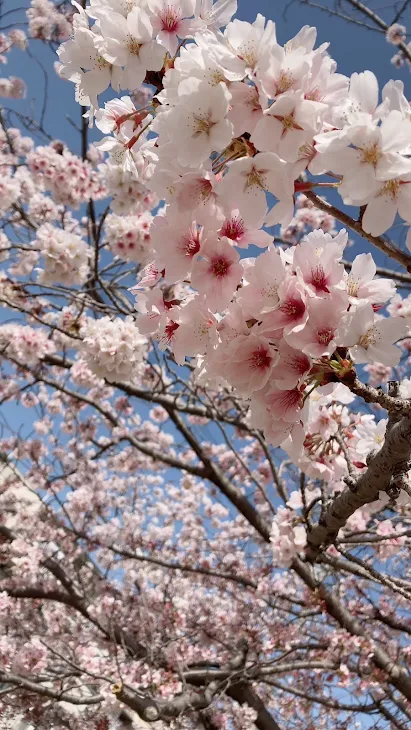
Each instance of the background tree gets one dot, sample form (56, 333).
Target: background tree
(208, 525)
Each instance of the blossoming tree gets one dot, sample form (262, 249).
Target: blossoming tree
(209, 523)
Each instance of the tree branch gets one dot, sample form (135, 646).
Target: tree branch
(395, 451)
(385, 246)
(40, 689)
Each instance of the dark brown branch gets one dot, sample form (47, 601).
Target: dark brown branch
(385, 246)
(38, 688)
(380, 23)
(396, 674)
(245, 695)
(374, 395)
(395, 451)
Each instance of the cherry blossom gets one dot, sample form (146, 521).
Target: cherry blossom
(392, 196)
(214, 15)
(317, 262)
(263, 280)
(218, 273)
(246, 109)
(169, 19)
(250, 360)
(370, 434)
(129, 236)
(396, 33)
(362, 285)
(66, 256)
(26, 343)
(291, 314)
(241, 234)
(127, 42)
(286, 540)
(247, 181)
(81, 62)
(320, 335)
(286, 126)
(371, 339)
(200, 122)
(248, 43)
(177, 243)
(113, 348)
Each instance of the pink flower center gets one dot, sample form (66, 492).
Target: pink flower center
(293, 308)
(325, 335)
(169, 331)
(190, 244)
(319, 279)
(233, 229)
(287, 400)
(260, 359)
(219, 267)
(170, 20)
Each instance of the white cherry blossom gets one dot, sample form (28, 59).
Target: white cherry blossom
(128, 42)
(371, 339)
(200, 121)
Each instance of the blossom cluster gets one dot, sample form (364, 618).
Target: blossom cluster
(12, 87)
(306, 218)
(71, 181)
(113, 349)
(66, 256)
(27, 344)
(287, 537)
(47, 21)
(15, 38)
(241, 124)
(128, 236)
(272, 327)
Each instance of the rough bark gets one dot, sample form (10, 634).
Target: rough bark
(381, 468)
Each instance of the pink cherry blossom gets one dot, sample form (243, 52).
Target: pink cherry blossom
(250, 360)
(263, 279)
(291, 313)
(169, 19)
(241, 234)
(292, 367)
(177, 243)
(218, 273)
(317, 263)
(320, 335)
(196, 329)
